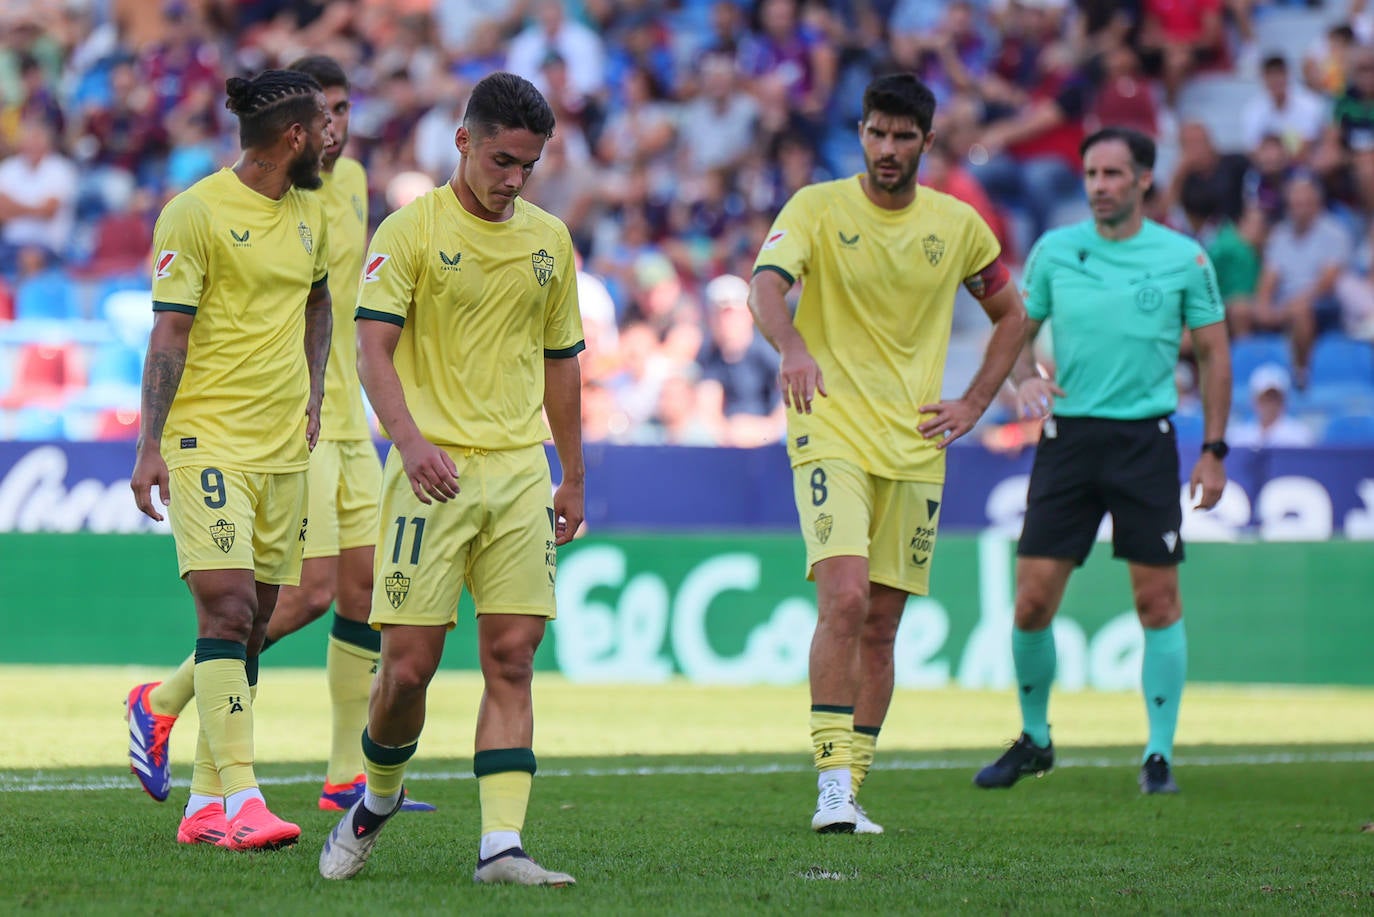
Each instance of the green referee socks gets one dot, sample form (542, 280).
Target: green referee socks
(1033, 653)
(1161, 678)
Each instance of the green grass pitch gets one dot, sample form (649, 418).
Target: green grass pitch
(683, 800)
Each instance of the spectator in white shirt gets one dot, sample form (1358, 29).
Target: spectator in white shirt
(580, 47)
(1306, 254)
(1273, 425)
(1285, 109)
(37, 196)
(718, 127)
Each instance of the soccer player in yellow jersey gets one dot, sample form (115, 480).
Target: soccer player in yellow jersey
(880, 260)
(343, 481)
(232, 388)
(467, 326)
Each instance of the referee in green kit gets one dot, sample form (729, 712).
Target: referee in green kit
(1120, 290)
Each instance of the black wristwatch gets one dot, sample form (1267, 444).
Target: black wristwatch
(1217, 447)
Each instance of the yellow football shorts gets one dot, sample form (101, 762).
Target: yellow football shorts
(239, 520)
(495, 538)
(847, 512)
(345, 477)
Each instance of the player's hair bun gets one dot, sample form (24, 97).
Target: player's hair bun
(238, 90)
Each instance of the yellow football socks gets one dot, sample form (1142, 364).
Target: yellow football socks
(172, 696)
(504, 778)
(385, 766)
(832, 730)
(349, 669)
(863, 745)
(226, 711)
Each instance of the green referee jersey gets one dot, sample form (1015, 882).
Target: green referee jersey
(1118, 310)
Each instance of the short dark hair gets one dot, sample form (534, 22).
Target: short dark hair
(324, 69)
(503, 100)
(269, 103)
(901, 95)
(1141, 146)
(1274, 62)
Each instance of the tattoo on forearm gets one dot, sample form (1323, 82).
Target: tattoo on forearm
(265, 165)
(161, 377)
(319, 328)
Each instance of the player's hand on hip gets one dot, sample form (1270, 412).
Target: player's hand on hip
(800, 379)
(569, 510)
(951, 420)
(1207, 482)
(1035, 398)
(150, 471)
(432, 472)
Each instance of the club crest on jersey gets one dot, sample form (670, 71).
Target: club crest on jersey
(397, 588)
(223, 534)
(934, 248)
(373, 267)
(358, 208)
(542, 262)
(306, 238)
(164, 262)
(825, 524)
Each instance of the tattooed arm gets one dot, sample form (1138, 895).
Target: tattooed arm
(319, 329)
(161, 376)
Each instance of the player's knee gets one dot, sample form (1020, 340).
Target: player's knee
(509, 658)
(318, 598)
(880, 631)
(405, 675)
(847, 603)
(1034, 610)
(1158, 605)
(229, 617)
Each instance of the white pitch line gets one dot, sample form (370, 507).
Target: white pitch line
(38, 783)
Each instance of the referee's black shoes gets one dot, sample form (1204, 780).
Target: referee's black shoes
(1155, 776)
(1022, 759)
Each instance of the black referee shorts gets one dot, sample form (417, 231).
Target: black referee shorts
(1088, 466)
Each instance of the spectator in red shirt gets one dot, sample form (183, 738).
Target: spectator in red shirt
(943, 171)
(1030, 158)
(1180, 36)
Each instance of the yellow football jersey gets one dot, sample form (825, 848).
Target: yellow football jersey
(481, 305)
(243, 265)
(345, 207)
(877, 302)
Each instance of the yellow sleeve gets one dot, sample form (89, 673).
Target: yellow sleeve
(181, 240)
(391, 270)
(321, 248)
(563, 318)
(787, 247)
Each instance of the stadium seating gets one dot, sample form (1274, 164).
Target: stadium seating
(116, 424)
(1337, 360)
(122, 242)
(1350, 430)
(45, 374)
(1188, 427)
(46, 295)
(38, 423)
(1250, 353)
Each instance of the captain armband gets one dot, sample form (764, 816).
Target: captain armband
(989, 280)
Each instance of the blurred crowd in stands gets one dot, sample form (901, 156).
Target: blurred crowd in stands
(683, 125)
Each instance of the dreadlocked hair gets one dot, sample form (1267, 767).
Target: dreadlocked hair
(270, 103)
